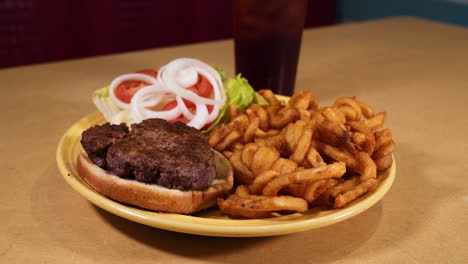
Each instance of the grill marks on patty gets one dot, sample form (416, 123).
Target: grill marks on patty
(172, 155)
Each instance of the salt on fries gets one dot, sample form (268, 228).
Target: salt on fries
(290, 156)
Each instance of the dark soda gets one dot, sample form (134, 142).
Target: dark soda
(267, 39)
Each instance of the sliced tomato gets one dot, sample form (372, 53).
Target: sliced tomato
(150, 72)
(190, 105)
(203, 87)
(180, 118)
(170, 105)
(125, 91)
(205, 127)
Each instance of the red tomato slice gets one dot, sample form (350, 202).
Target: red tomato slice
(203, 86)
(190, 105)
(170, 105)
(150, 72)
(206, 126)
(180, 118)
(125, 91)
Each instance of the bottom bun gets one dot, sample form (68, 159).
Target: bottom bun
(155, 197)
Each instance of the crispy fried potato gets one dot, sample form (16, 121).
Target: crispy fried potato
(343, 199)
(261, 180)
(384, 145)
(282, 149)
(228, 140)
(281, 116)
(333, 115)
(254, 123)
(358, 138)
(294, 133)
(270, 97)
(343, 186)
(334, 134)
(231, 207)
(372, 123)
(242, 174)
(334, 170)
(242, 191)
(237, 205)
(349, 107)
(367, 167)
(239, 123)
(248, 152)
(233, 111)
(284, 166)
(365, 109)
(313, 190)
(359, 128)
(274, 141)
(337, 154)
(302, 147)
(264, 159)
(303, 100)
(262, 114)
(384, 148)
(314, 158)
(384, 162)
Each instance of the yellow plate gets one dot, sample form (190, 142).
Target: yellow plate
(211, 222)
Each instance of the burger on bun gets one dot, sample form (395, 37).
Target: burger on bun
(155, 165)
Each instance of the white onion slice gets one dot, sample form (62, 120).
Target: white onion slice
(183, 108)
(127, 77)
(187, 77)
(151, 96)
(170, 72)
(172, 82)
(200, 117)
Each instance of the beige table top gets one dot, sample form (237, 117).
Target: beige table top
(415, 70)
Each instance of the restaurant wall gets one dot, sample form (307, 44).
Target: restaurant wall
(35, 31)
(446, 11)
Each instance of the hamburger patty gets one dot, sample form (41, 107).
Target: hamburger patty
(172, 155)
(97, 139)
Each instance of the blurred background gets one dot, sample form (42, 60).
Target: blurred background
(37, 31)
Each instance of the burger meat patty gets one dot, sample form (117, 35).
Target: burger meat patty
(96, 141)
(172, 155)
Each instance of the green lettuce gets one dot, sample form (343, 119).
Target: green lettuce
(221, 72)
(238, 92)
(103, 102)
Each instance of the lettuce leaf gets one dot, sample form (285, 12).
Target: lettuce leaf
(221, 72)
(101, 99)
(238, 92)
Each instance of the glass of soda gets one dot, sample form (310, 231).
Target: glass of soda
(267, 40)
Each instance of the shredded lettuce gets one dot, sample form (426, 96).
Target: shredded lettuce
(101, 99)
(221, 72)
(238, 92)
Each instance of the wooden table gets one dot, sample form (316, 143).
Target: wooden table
(415, 70)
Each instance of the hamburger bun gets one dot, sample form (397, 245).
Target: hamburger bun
(155, 197)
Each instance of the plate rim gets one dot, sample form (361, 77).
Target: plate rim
(194, 225)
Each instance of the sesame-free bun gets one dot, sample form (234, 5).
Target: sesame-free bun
(155, 197)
